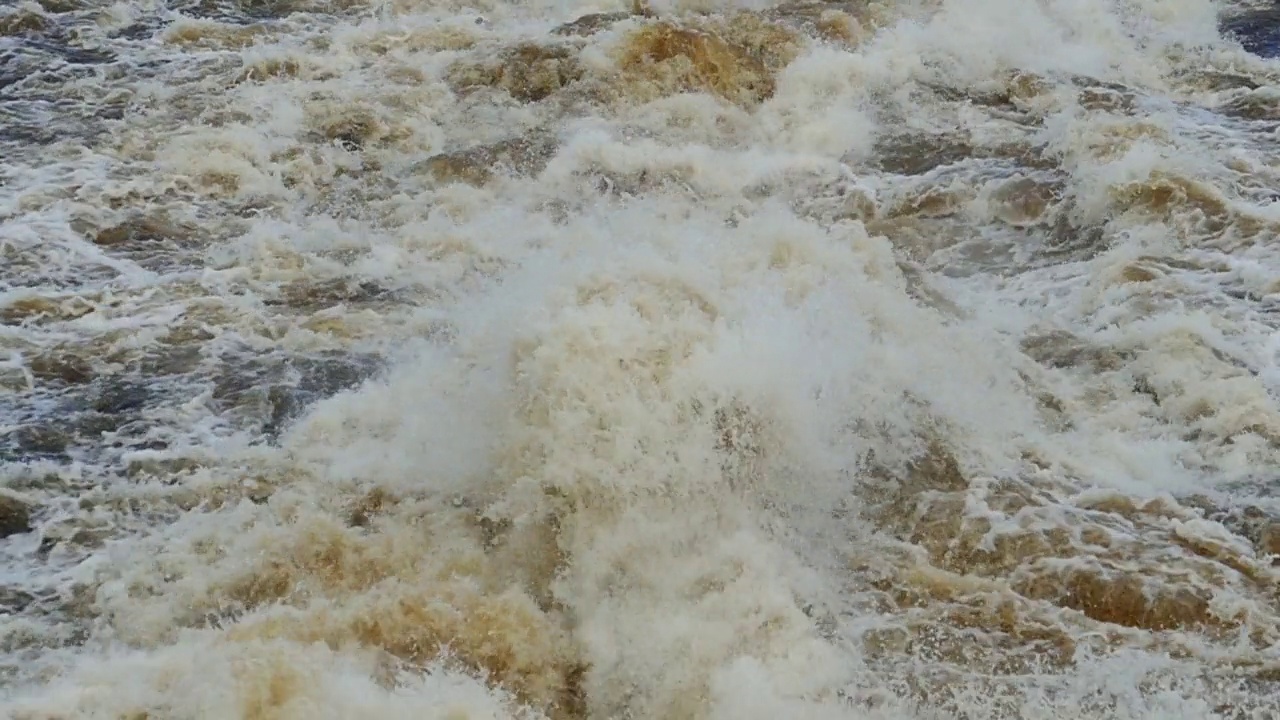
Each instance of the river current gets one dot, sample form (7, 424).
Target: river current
(665, 360)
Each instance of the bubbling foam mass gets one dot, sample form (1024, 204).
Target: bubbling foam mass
(683, 360)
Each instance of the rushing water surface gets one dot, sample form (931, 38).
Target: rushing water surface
(673, 360)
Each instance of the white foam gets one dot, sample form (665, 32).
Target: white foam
(628, 446)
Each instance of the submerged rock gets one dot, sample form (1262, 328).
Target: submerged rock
(60, 366)
(737, 61)
(15, 515)
(1268, 541)
(529, 72)
(22, 22)
(526, 155)
(39, 440)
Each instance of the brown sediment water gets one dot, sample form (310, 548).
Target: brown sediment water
(666, 360)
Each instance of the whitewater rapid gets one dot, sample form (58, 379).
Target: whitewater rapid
(672, 360)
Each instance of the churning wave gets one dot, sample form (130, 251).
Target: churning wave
(681, 360)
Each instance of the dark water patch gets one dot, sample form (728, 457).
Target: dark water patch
(37, 273)
(15, 67)
(53, 88)
(1258, 31)
(30, 122)
(171, 359)
(1068, 241)
(1061, 349)
(113, 397)
(59, 367)
(59, 7)
(250, 11)
(920, 154)
(1009, 101)
(1258, 525)
(90, 419)
(92, 425)
(53, 37)
(591, 24)
(72, 413)
(64, 48)
(1102, 99)
(150, 239)
(1217, 81)
(137, 31)
(127, 437)
(1260, 104)
(223, 11)
(42, 309)
(315, 296)
(271, 392)
(43, 123)
(526, 155)
(70, 536)
(14, 600)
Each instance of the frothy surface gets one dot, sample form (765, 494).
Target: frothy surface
(671, 360)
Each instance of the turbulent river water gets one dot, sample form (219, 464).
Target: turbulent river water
(673, 360)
